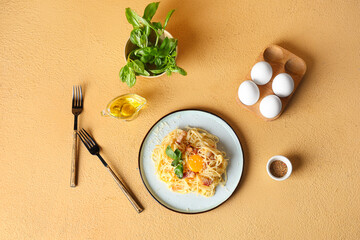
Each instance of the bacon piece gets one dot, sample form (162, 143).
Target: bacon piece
(176, 188)
(189, 174)
(210, 155)
(189, 149)
(206, 181)
(181, 137)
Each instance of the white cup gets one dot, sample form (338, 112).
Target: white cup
(284, 160)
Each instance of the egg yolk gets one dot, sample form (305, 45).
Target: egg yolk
(195, 163)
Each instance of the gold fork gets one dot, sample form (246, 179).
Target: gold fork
(77, 107)
(94, 149)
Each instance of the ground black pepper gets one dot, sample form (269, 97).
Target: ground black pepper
(278, 168)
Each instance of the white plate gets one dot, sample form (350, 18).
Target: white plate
(191, 202)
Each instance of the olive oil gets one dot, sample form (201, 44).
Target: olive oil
(125, 107)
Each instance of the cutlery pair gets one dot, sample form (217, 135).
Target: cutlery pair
(92, 146)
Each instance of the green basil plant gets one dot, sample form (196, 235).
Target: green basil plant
(152, 55)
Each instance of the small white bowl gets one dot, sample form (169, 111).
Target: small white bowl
(130, 46)
(284, 160)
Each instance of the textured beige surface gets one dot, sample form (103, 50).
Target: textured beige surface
(48, 46)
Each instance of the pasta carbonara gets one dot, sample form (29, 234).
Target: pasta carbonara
(189, 161)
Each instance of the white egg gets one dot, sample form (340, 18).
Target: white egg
(283, 85)
(261, 73)
(270, 106)
(248, 93)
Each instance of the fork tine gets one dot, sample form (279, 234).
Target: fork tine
(84, 140)
(77, 96)
(81, 138)
(81, 97)
(89, 137)
(73, 96)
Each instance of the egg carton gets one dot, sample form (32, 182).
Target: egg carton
(271, 96)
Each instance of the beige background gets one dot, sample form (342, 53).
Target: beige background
(48, 46)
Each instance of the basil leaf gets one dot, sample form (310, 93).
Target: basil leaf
(140, 68)
(131, 17)
(170, 153)
(123, 73)
(138, 21)
(172, 61)
(158, 62)
(175, 163)
(143, 41)
(157, 25)
(146, 73)
(134, 66)
(135, 36)
(168, 72)
(167, 46)
(130, 78)
(173, 54)
(172, 44)
(139, 64)
(131, 65)
(168, 17)
(150, 10)
(151, 51)
(179, 170)
(164, 48)
(139, 38)
(154, 52)
(147, 30)
(164, 43)
(157, 71)
(166, 60)
(178, 154)
(179, 70)
(141, 52)
(146, 58)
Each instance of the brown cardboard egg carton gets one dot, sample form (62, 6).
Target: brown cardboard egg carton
(281, 61)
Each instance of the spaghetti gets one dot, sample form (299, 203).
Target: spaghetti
(204, 166)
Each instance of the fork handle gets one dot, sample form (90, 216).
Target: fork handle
(122, 186)
(73, 161)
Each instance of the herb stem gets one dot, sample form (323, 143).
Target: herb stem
(157, 39)
(128, 58)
